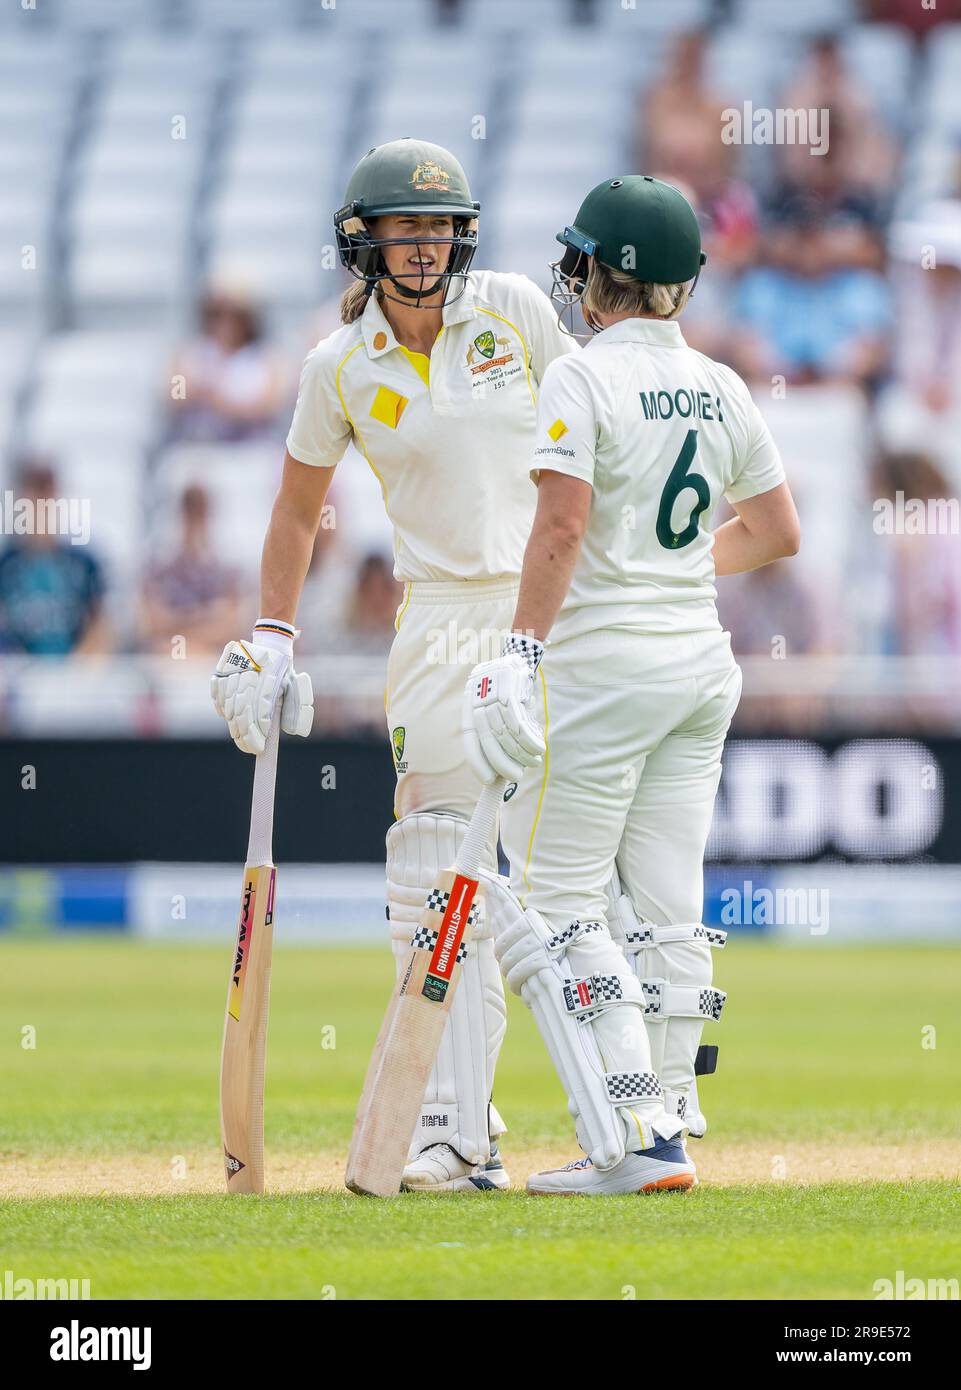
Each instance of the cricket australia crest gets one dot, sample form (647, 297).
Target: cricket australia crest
(397, 740)
(492, 359)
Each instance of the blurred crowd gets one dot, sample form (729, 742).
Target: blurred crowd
(838, 312)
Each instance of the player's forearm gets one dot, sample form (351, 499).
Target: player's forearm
(736, 549)
(546, 577)
(288, 547)
(766, 528)
(289, 543)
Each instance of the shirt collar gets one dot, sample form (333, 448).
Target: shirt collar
(657, 332)
(462, 308)
(379, 336)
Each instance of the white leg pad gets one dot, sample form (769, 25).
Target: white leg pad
(673, 966)
(589, 1010)
(457, 1107)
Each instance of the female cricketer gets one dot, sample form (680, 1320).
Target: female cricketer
(627, 707)
(434, 377)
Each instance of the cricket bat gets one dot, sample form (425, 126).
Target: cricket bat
(413, 1025)
(248, 991)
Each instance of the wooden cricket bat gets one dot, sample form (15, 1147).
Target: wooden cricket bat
(248, 991)
(413, 1025)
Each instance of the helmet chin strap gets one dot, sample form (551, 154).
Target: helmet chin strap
(409, 293)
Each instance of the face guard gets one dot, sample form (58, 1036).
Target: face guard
(569, 276)
(361, 253)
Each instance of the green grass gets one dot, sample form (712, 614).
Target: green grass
(817, 1043)
(754, 1242)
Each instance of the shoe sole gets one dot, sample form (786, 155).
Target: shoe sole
(683, 1182)
(678, 1182)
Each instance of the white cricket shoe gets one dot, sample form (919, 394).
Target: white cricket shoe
(663, 1168)
(441, 1169)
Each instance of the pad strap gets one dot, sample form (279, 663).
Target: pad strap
(646, 934)
(664, 1000)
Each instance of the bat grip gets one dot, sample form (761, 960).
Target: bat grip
(260, 844)
(479, 831)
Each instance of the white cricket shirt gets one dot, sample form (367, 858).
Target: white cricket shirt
(450, 436)
(661, 433)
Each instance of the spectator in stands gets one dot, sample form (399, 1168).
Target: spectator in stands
(928, 361)
(818, 309)
(679, 140)
(193, 594)
(861, 156)
(764, 607)
(51, 588)
(679, 127)
(916, 15)
(322, 611)
(921, 559)
(373, 606)
(229, 383)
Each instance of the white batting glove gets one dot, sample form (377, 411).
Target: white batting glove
(249, 679)
(502, 736)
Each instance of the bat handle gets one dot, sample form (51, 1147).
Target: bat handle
(479, 831)
(260, 844)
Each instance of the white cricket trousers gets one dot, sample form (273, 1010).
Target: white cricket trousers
(443, 631)
(635, 726)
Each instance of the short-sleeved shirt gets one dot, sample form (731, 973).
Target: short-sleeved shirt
(48, 597)
(450, 436)
(661, 433)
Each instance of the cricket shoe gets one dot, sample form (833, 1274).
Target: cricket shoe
(663, 1168)
(441, 1169)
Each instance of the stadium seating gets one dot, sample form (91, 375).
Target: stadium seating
(147, 147)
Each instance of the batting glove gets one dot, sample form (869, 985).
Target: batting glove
(501, 734)
(249, 679)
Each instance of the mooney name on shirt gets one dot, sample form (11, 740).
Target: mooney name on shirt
(688, 405)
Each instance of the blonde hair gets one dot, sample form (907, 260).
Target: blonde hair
(610, 291)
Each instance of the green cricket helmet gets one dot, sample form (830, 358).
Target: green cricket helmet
(406, 176)
(637, 224)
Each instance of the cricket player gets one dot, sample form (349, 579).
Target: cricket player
(627, 705)
(434, 377)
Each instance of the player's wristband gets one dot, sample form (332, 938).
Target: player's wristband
(517, 644)
(271, 632)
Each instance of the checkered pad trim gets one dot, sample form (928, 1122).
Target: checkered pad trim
(527, 647)
(626, 1086)
(681, 1107)
(647, 936)
(644, 936)
(425, 939)
(712, 1002)
(570, 934)
(437, 900)
(714, 936)
(652, 998)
